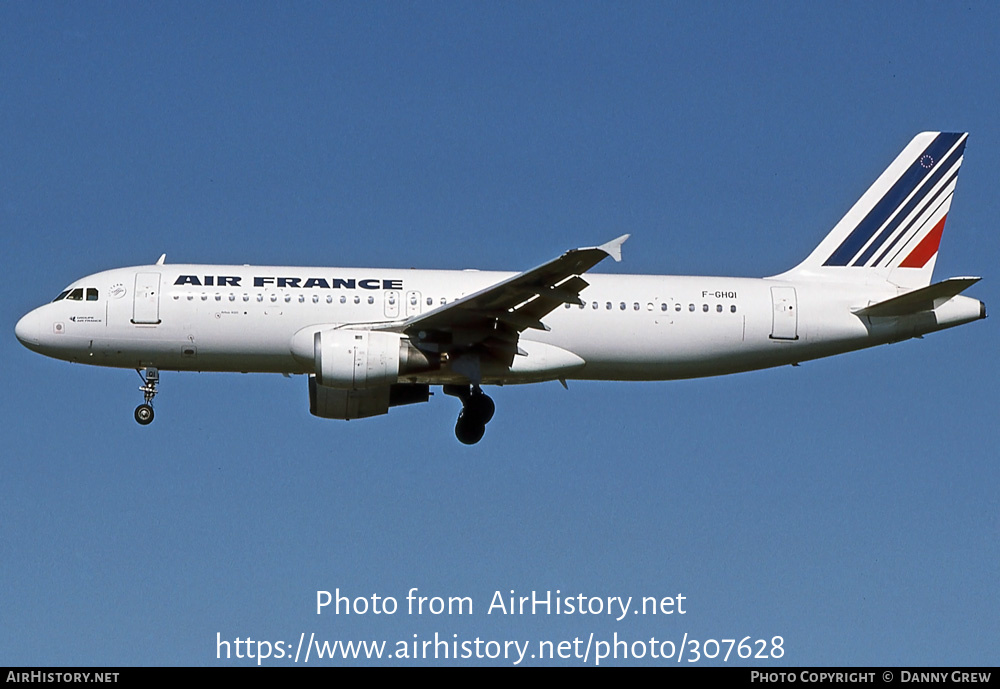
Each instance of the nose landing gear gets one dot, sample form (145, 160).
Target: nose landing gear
(144, 412)
(477, 410)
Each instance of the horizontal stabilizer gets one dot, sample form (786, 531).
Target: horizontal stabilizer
(923, 299)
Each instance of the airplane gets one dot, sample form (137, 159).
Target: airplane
(372, 339)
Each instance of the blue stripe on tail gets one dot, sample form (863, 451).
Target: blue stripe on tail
(887, 205)
(903, 214)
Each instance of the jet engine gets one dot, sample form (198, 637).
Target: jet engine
(357, 373)
(360, 359)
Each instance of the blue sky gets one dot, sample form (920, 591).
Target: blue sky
(848, 505)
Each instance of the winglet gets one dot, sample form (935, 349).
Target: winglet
(614, 247)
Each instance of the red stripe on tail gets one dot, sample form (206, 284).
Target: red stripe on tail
(925, 249)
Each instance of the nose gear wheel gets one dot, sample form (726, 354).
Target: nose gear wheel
(144, 412)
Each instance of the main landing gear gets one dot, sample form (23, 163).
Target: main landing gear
(144, 412)
(477, 410)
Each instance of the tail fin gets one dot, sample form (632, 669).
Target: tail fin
(893, 231)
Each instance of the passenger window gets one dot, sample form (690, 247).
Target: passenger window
(329, 299)
(595, 305)
(218, 297)
(704, 307)
(622, 306)
(430, 301)
(718, 307)
(732, 308)
(635, 306)
(357, 300)
(91, 294)
(315, 299)
(608, 306)
(663, 307)
(371, 300)
(343, 299)
(691, 308)
(677, 306)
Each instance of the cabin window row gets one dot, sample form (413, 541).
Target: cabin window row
(650, 306)
(274, 298)
(287, 298)
(91, 295)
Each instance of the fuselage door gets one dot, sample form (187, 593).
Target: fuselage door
(146, 300)
(785, 314)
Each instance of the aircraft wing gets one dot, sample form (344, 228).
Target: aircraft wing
(492, 318)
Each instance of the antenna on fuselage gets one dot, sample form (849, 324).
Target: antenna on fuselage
(161, 260)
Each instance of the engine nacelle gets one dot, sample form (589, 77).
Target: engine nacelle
(337, 403)
(356, 359)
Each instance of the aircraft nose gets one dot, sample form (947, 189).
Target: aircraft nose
(27, 330)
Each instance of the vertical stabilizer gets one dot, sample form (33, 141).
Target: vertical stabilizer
(892, 233)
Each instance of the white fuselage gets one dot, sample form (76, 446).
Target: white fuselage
(630, 327)
(373, 339)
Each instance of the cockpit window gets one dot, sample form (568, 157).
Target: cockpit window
(79, 294)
